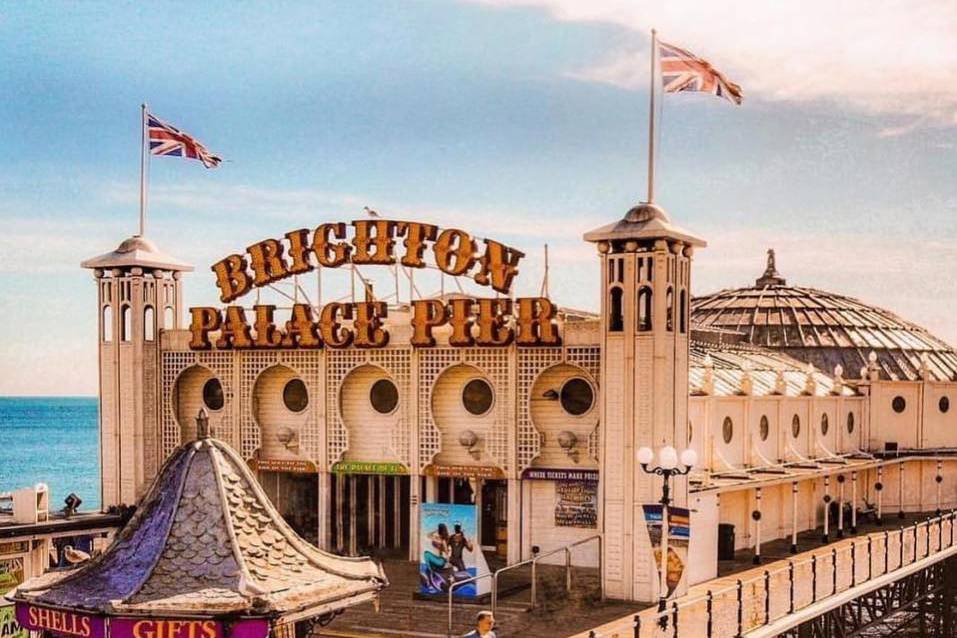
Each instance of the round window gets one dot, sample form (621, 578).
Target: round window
(796, 426)
(764, 428)
(384, 396)
(577, 397)
(294, 395)
(850, 422)
(943, 404)
(898, 404)
(825, 425)
(477, 397)
(213, 394)
(727, 429)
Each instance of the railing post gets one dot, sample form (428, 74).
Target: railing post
(887, 549)
(674, 617)
(813, 578)
(901, 564)
(534, 581)
(853, 562)
(940, 532)
(915, 541)
(568, 570)
(833, 570)
(767, 597)
(740, 609)
(601, 566)
(637, 625)
(790, 586)
(451, 587)
(494, 593)
(708, 605)
(870, 558)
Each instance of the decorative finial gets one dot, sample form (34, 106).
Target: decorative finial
(770, 276)
(202, 424)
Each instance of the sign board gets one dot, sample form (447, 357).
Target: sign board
(559, 474)
(191, 628)
(369, 467)
(449, 550)
(9, 627)
(464, 471)
(679, 535)
(576, 504)
(292, 466)
(61, 622)
(360, 324)
(72, 624)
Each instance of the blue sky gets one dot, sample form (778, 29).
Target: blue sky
(525, 121)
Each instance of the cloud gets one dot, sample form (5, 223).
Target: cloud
(884, 58)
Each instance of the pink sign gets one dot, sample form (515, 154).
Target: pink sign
(60, 621)
(72, 624)
(183, 628)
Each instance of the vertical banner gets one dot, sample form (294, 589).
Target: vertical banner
(449, 550)
(679, 535)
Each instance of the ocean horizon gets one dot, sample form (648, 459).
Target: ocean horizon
(52, 440)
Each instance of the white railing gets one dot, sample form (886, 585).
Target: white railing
(790, 585)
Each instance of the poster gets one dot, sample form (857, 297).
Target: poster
(449, 550)
(679, 535)
(11, 573)
(576, 504)
(9, 627)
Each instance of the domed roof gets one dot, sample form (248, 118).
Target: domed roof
(205, 539)
(825, 329)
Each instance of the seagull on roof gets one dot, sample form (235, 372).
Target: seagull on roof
(370, 212)
(75, 556)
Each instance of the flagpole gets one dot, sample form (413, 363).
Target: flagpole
(651, 120)
(142, 169)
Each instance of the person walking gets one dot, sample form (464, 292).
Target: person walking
(484, 623)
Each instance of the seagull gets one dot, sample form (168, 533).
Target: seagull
(75, 556)
(370, 212)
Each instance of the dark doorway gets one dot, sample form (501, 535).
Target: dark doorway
(494, 517)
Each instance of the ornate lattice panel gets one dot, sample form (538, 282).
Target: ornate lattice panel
(494, 363)
(531, 363)
(307, 365)
(589, 359)
(174, 363)
(397, 363)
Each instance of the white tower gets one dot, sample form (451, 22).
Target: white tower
(646, 284)
(138, 294)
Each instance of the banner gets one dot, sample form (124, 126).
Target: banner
(191, 628)
(576, 504)
(679, 535)
(449, 550)
(60, 621)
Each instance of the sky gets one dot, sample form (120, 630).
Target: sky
(525, 121)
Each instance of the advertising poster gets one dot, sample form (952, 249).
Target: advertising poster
(449, 550)
(679, 534)
(11, 573)
(9, 627)
(576, 504)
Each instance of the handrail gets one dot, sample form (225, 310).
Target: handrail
(534, 563)
(459, 583)
(928, 533)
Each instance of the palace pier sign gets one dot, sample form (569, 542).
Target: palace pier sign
(373, 242)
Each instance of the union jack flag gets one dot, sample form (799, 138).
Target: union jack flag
(166, 139)
(684, 71)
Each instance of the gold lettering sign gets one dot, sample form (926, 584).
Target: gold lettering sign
(455, 252)
(485, 322)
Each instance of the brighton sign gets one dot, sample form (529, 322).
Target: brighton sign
(360, 324)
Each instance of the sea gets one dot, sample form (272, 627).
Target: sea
(52, 440)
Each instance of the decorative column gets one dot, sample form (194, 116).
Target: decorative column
(879, 489)
(853, 502)
(827, 503)
(840, 508)
(938, 479)
(756, 516)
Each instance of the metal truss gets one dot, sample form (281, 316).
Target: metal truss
(921, 604)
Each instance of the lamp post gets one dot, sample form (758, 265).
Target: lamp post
(668, 466)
